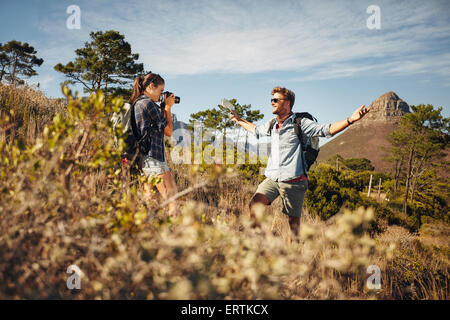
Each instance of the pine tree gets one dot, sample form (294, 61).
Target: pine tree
(219, 119)
(420, 140)
(18, 59)
(106, 63)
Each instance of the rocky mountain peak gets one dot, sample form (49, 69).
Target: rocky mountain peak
(387, 107)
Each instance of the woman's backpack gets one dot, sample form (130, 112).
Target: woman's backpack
(136, 145)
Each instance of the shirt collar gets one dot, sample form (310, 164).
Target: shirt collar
(291, 117)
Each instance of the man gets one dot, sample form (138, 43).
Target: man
(285, 172)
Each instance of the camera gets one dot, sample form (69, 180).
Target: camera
(166, 94)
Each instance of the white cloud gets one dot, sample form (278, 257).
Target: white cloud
(324, 40)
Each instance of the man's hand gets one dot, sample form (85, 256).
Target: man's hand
(359, 113)
(234, 117)
(250, 127)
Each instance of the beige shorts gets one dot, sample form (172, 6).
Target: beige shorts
(292, 194)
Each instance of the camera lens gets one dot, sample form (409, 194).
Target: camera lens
(167, 94)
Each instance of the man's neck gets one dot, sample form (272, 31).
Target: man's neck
(283, 118)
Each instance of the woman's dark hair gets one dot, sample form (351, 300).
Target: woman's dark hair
(141, 82)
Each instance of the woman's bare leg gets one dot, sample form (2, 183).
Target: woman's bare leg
(152, 193)
(167, 188)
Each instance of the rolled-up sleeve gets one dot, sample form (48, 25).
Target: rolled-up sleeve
(261, 130)
(313, 129)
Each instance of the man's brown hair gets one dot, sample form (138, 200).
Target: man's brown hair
(288, 94)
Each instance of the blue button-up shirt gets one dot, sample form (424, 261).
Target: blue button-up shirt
(149, 118)
(285, 159)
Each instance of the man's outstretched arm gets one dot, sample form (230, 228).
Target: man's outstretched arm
(356, 116)
(250, 127)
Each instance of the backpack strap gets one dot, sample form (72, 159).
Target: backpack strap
(271, 124)
(297, 124)
(133, 120)
(298, 130)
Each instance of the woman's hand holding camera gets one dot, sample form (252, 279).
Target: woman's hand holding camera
(169, 101)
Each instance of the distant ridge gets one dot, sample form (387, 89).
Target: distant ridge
(365, 138)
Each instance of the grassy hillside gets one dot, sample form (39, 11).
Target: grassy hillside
(67, 200)
(361, 142)
(30, 110)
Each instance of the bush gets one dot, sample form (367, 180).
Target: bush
(329, 190)
(354, 164)
(414, 273)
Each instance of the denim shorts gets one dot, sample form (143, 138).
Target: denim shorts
(152, 167)
(292, 194)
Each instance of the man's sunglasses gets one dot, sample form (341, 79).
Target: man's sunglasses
(276, 100)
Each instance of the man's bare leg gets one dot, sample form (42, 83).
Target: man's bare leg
(294, 224)
(258, 198)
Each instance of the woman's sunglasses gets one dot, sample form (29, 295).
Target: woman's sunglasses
(276, 100)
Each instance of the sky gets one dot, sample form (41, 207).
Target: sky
(327, 52)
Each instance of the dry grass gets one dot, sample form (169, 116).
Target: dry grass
(94, 218)
(31, 111)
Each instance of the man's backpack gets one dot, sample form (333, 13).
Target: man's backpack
(136, 146)
(310, 145)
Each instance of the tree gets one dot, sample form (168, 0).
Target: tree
(3, 63)
(420, 140)
(398, 155)
(18, 59)
(219, 119)
(104, 63)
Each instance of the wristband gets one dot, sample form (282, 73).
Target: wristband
(349, 123)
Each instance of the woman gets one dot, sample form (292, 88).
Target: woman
(157, 121)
